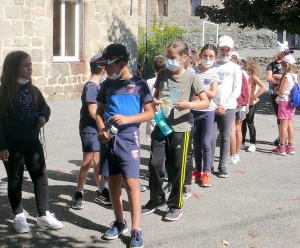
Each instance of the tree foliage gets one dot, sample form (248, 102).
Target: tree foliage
(160, 35)
(277, 15)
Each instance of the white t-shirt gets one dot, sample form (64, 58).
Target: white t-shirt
(207, 78)
(230, 84)
(286, 96)
(151, 83)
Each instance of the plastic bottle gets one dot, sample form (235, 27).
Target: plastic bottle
(161, 122)
(112, 132)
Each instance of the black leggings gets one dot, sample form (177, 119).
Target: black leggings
(250, 122)
(275, 106)
(31, 154)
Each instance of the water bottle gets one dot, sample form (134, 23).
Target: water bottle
(113, 130)
(161, 122)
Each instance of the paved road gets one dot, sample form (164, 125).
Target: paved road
(258, 205)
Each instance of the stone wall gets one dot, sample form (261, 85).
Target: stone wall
(247, 38)
(28, 25)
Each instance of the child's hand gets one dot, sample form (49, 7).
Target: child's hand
(41, 122)
(181, 105)
(120, 119)
(157, 103)
(4, 155)
(220, 111)
(103, 137)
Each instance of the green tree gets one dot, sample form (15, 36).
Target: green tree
(160, 35)
(277, 15)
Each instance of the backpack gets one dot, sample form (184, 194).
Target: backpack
(295, 94)
(243, 99)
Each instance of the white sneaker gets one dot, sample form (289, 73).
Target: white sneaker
(237, 157)
(20, 223)
(49, 221)
(243, 146)
(251, 148)
(231, 160)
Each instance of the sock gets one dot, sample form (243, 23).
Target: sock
(101, 187)
(81, 191)
(282, 145)
(105, 182)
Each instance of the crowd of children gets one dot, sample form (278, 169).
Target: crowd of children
(201, 95)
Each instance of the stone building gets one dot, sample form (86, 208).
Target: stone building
(62, 35)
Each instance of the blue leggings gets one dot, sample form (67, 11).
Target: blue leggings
(203, 128)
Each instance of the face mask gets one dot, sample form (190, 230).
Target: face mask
(115, 76)
(172, 65)
(22, 81)
(224, 59)
(207, 63)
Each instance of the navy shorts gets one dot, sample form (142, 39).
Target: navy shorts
(90, 142)
(122, 153)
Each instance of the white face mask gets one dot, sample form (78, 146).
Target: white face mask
(115, 76)
(207, 63)
(22, 81)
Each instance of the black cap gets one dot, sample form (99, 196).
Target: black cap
(115, 52)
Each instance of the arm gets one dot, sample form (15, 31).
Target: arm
(236, 88)
(282, 86)
(261, 85)
(146, 115)
(201, 103)
(273, 78)
(212, 92)
(92, 107)
(103, 137)
(43, 110)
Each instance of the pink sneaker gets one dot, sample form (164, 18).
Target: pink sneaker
(290, 149)
(280, 150)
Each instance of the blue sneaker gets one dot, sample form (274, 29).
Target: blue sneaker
(116, 228)
(136, 239)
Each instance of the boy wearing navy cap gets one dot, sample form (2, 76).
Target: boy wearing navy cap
(124, 102)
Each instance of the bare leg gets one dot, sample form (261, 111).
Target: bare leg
(96, 160)
(85, 166)
(239, 136)
(290, 131)
(134, 196)
(115, 193)
(283, 131)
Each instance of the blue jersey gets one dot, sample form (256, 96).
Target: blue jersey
(124, 97)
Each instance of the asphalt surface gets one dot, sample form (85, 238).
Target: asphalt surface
(257, 206)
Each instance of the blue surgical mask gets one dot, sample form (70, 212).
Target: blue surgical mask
(172, 64)
(224, 59)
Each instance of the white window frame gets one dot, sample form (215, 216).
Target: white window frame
(62, 57)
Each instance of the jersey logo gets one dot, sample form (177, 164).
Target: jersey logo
(130, 88)
(135, 154)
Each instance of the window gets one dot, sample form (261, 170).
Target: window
(194, 4)
(65, 30)
(162, 7)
